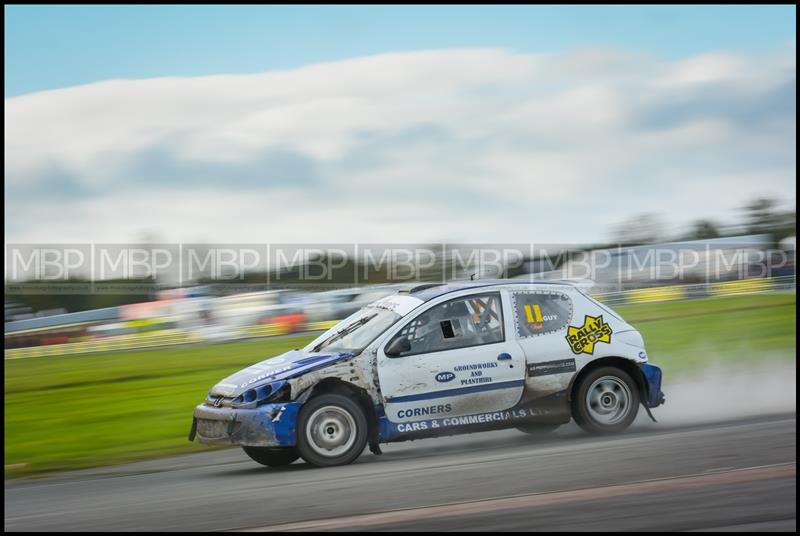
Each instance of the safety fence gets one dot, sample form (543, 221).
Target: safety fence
(699, 290)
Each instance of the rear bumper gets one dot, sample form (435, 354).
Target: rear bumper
(270, 425)
(652, 382)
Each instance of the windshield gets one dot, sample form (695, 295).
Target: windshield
(355, 332)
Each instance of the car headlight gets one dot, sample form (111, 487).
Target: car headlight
(258, 395)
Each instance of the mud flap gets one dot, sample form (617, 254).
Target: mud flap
(374, 446)
(193, 431)
(651, 375)
(373, 439)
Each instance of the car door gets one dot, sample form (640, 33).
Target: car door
(541, 319)
(461, 359)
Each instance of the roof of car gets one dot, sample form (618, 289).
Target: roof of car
(428, 291)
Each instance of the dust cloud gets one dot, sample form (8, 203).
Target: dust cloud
(725, 391)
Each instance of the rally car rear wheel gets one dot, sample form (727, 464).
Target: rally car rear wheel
(331, 430)
(606, 401)
(272, 456)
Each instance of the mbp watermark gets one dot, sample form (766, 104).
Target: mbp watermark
(222, 262)
(400, 263)
(126, 262)
(32, 262)
(136, 268)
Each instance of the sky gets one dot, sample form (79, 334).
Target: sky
(391, 123)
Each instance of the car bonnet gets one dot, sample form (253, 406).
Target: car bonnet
(283, 367)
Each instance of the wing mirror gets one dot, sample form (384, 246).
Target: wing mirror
(398, 346)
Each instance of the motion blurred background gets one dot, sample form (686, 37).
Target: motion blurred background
(189, 190)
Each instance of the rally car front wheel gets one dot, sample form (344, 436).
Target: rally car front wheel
(272, 456)
(606, 401)
(331, 430)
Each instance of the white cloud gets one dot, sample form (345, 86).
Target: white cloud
(466, 145)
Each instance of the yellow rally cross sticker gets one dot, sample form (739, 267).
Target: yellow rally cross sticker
(582, 339)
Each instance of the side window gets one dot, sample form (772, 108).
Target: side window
(541, 312)
(469, 321)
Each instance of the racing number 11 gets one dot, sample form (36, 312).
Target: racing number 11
(535, 315)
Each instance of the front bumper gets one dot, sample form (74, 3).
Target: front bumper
(652, 382)
(269, 425)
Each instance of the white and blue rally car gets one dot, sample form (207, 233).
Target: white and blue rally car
(438, 360)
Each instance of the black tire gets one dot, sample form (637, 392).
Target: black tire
(272, 456)
(538, 429)
(587, 417)
(341, 405)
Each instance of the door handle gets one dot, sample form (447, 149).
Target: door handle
(504, 356)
